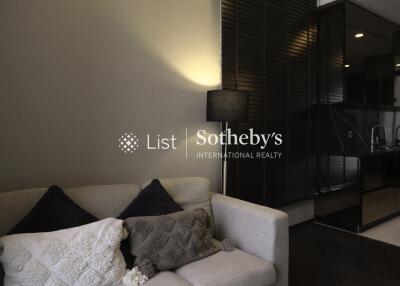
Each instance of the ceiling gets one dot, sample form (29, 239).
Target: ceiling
(388, 9)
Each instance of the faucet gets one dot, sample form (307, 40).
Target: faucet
(375, 140)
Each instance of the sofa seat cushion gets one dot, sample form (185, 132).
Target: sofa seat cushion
(235, 268)
(167, 278)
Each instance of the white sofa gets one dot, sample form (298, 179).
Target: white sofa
(259, 233)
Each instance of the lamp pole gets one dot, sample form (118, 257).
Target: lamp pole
(225, 161)
(226, 106)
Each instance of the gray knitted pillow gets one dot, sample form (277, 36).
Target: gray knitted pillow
(170, 241)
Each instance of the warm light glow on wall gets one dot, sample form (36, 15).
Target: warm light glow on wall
(202, 70)
(184, 34)
(195, 65)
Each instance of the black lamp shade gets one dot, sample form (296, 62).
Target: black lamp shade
(227, 105)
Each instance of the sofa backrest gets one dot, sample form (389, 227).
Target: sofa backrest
(104, 200)
(101, 201)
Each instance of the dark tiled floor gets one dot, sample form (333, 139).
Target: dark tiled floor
(324, 256)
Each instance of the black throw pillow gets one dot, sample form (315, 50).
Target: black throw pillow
(153, 200)
(54, 211)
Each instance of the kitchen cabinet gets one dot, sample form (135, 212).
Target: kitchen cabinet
(380, 192)
(372, 198)
(379, 204)
(373, 174)
(363, 61)
(369, 60)
(387, 80)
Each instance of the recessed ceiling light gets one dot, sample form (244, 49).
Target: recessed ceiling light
(359, 35)
(397, 65)
(346, 66)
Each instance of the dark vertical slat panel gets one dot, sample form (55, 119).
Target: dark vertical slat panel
(245, 176)
(228, 26)
(275, 33)
(229, 73)
(250, 78)
(331, 55)
(301, 94)
(313, 100)
(269, 49)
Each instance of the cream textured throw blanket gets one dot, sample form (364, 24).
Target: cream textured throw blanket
(88, 255)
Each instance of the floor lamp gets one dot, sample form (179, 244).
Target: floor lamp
(226, 106)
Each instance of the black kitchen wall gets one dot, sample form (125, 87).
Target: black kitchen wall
(269, 49)
(356, 89)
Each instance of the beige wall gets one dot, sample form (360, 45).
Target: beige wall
(76, 74)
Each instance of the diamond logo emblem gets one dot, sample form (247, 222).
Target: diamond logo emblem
(128, 143)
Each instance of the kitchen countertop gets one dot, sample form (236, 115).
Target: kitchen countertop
(367, 152)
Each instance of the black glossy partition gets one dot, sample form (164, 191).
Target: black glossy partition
(355, 85)
(269, 49)
(358, 187)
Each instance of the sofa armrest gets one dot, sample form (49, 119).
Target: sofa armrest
(255, 229)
